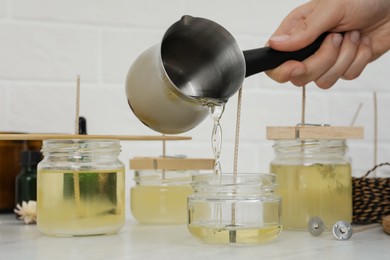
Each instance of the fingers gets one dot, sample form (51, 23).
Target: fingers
(301, 73)
(362, 58)
(304, 24)
(321, 61)
(346, 57)
(338, 57)
(286, 71)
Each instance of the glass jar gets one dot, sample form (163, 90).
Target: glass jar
(80, 188)
(239, 209)
(162, 186)
(314, 179)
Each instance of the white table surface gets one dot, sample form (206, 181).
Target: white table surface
(135, 241)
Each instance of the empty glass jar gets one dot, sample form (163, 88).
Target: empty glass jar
(239, 209)
(80, 188)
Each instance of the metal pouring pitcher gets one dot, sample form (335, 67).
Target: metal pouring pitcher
(198, 64)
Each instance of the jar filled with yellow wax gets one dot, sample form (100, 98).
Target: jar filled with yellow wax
(80, 188)
(313, 173)
(162, 186)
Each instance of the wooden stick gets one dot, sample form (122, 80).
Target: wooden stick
(164, 148)
(76, 179)
(375, 132)
(76, 123)
(163, 155)
(356, 114)
(80, 137)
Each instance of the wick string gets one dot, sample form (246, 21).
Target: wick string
(76, 180)
(303, 105)
(163, 154)
(237, 136)
(232, 235)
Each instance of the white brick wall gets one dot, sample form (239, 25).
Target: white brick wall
(45, 43)
(3, 8)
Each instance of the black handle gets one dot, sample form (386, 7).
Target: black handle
(262, 59)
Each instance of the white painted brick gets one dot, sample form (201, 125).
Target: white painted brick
(47, 52)
(3, 107)
(343, 106)
(361, 154)
(247, 157)
(383, 152)
(251, 16)
(279, 107)
(383, 103)
(266, 155)
(121, 47)
(148, 13)
(374, 77)
(42, 109)
(108, 112)
(3, 8)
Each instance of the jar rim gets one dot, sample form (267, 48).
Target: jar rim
(69, 146)
(263, 181)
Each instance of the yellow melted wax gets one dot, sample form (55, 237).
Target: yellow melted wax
(239, 235)
(160, 204)
(96, 207)
(323, 190)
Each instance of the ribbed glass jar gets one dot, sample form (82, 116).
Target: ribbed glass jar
(314, 179)
(239, 209)
(80, 188)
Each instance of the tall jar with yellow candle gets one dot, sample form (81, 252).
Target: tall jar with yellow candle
(314, 179)
(80, 188)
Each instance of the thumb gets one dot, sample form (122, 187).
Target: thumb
(304, 25)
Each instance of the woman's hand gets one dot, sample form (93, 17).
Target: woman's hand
(367, 36)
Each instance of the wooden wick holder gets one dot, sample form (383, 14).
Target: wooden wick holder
(171, 163)
(307, 132)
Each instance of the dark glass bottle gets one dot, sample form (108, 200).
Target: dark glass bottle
(26, 181)
(82, 125)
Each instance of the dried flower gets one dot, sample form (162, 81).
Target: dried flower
(27, 212)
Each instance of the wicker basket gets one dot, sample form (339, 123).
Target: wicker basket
(371, 198)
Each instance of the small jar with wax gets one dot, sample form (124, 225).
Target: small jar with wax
(162, 186)
(235, 209)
